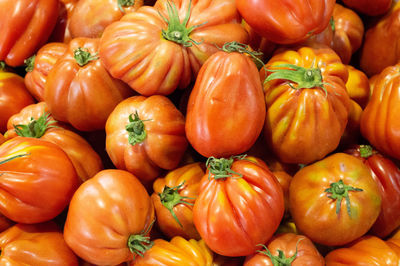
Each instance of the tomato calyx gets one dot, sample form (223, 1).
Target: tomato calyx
(338, 191)
(280, 259)
(177, 31)
(139, 244)
(125, 3)
(2, 65)
(221, 168)
(332, 24)
(170, 197)
(238, 47)
(83, 57)
(36, 127)
(366, 151)
(30, 63)
(136, 130)
(13, 157)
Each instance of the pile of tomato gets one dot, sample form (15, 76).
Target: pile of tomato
(199, 132)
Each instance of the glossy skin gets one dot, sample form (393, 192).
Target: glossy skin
(190, 175)
(368, 250)
(91, 17)
(134, 50)
(387, 176)
(61, 32)
(289, 243)
(38, 186)
(304, 125)
(13, 97)
(235, 214)
(177, 252)
(163, 146)
(228, 89)
(287, 21)
(358, 86)
(315, 214)
(348, 34)
(379, 122)
(38, 244)
(45, 60)
(369, 7)
(26, 26)
(85, 160)
(82, 96)
(103, 213)
(380, 48)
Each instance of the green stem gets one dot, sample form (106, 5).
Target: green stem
(30, 63)
(177, 31)
(35, 128)
(338, 191)
(234, 46)
(332, 23)
(125, 3)
(83, 57)
(280, 259)
(2, 65)
(139, 244)
(14, 157)
(221, 168)
(135, 127)
(366, 151)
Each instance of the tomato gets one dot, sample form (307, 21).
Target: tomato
(37, 180)
(307, 103)
(380, 43)
(109, 218)
(387, 176)
(289, 248)
(348, 32)
(13, 96)
(173, 199)
(368, 250)
(286, 21)
(358, 86)
(38, 244)
(91, 17)
(61, 31)
(394, 242)
(39, 66)
(26, 26)
(177, 252)
(369, 7)
(240, 205)
(35, 121)
(5, 223)
(158, 49)
(228, 88)
(79, 89)
(145, 135)
(2, 139)
(352, 134)
(379, 121)
(334, 201)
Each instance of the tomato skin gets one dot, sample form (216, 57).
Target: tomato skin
(151, 64)
(234, 214)
(369, 7)
(176, 252)
(352, 134)
(85, 160)
(387, 176)
(82, 96)
(103, 213)
(358, 86)
(190, 176)
(228, 89)
(45, 60)
(368, 250)
(2, 139)
(37, 244)
(315, 214)
(91, 17)
(289, 243)
(286, 21)
(36, 187)
(14, 97)
(304, 125)
(163, 146)
(379, 121)
(26, 26)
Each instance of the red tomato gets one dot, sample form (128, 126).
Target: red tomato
(37, 180)
(25, 26)
(109, 219)
(79, 89)
(286, 21)
(35, 121)
(240, 205)
(387, 176)
(145, 135)
(158, 49)
(228, 89)
(5, 223)
(334, 201)
(369, 7)
(38, 244)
